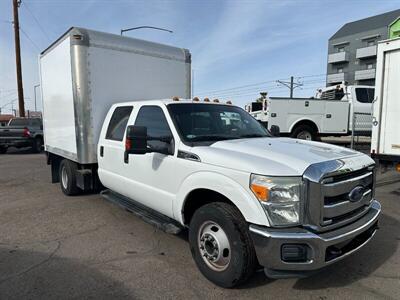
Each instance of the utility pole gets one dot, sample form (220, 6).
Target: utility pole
(21, 104)
(34, 92)
(291, 85)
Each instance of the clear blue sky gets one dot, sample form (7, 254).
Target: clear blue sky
(233, 43)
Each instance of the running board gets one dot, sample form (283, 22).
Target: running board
(147, 214)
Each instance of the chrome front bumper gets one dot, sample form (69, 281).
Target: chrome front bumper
(323, 248)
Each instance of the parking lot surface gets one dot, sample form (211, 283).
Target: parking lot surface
(53, 246)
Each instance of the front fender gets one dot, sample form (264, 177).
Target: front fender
(242, 199)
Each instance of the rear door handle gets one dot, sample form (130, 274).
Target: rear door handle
(328, 116)
(101, 151)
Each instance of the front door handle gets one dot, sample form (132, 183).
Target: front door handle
(101, 151)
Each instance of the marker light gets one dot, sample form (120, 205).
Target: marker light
(216, 101)
(261, 192)
(175, 98)
(196, 99)
(206, 100)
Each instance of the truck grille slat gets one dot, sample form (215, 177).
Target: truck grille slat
(337, 207)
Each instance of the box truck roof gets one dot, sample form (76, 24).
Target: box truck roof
(93, 38)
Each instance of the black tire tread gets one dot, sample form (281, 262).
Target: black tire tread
(72, 188)
(35, 147)
(240, 225)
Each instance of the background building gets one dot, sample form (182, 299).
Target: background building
(352, 49)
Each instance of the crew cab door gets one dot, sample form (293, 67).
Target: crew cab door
(111, 148)
(152, 180)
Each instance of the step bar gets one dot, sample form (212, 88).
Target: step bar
(147, 214)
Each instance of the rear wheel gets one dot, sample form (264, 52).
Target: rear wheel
(68, 178)
(221, 245)
(3, 149)
(305, 132)
(37, 145)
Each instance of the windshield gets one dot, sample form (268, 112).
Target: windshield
(200, 122)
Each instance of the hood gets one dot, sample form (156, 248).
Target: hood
(271, 156)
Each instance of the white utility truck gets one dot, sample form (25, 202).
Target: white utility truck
(331, 114)
(247, 198)
(385, 143)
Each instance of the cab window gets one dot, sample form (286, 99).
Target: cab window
(119, 120)
(365, 95)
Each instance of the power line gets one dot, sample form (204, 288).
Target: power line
(36, 20)
(27, 36)
(239, 87)
(257, 84)
(240, 91)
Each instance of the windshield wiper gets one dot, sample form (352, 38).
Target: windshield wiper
(252, 135)
(211, 138)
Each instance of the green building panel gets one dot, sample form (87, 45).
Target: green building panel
(394, 29)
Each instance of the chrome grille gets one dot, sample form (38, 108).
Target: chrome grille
(328, 187)
(337, 205)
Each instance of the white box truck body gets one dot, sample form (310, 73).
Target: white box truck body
(84, 72)
(385, 143)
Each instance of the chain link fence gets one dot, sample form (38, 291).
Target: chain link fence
(361, 127)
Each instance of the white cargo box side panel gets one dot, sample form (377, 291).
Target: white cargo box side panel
(58, 101)
(118, 76)
(386, 130)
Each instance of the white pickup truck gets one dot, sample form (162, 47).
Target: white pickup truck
(246, 197)
(331, 114)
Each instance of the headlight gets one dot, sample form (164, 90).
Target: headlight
(280, 198)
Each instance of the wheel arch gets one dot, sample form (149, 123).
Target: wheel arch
(308, 122)
(206, 187)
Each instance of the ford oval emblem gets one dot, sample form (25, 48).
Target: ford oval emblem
(356, 194)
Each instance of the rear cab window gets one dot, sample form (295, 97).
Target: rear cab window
(118, 123)
(19, 122)
(365, 95)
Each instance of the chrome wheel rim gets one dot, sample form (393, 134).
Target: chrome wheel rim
(214, 246)
(64, 178)
(304, 135)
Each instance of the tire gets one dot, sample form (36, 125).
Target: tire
(68, 178)
(3, 150)
(37, 145)
(305, 132)
(233, 264)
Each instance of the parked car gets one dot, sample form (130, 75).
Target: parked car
(22, 132)
(247, 197)
(311, 118)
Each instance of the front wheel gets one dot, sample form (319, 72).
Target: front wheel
(221, 245)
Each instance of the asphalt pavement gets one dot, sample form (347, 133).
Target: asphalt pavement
(58, 247)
